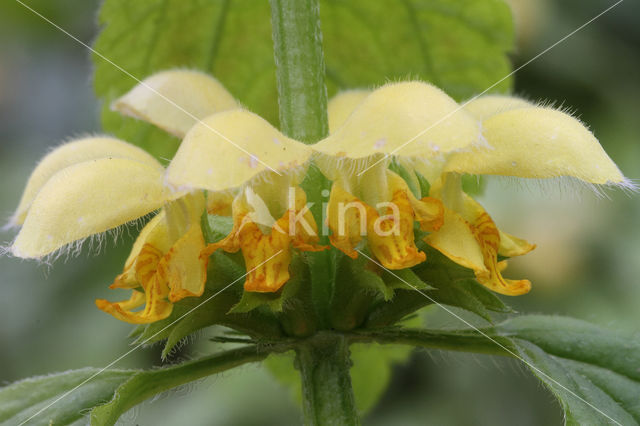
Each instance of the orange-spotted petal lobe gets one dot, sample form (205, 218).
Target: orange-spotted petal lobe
(267, 256)
(346, 218)
(474, 243)
(390, 236)
(163, 269)
(488, 237)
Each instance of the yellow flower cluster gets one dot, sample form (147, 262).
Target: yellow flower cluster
(231, 161)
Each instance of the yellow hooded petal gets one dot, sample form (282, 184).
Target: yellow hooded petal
(228, 149)
(342, 105)
(88, 198)
(410, 119)
(175, 100)
(539, 143)
(77, 151)
(484, 107)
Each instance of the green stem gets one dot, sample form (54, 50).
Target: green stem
(463, 340)
(324, 365)
(297, 43)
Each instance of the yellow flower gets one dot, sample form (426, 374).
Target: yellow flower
(92, 185)
(263, 171)
(428, 133)
(368, 198)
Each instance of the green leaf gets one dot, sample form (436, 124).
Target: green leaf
(56, 395)
(593, 372)
(145, 384)
(229, 39)
(371, 371)
(215, 227)
(460, 46)
(586, 367)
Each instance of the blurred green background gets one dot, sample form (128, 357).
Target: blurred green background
(585, 266)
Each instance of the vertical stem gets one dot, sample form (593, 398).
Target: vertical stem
(302, 95)
(327, 395)
(324, 361)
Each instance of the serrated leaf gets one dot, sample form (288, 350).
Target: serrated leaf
(459, 46)
(592, 371)
(21, 400)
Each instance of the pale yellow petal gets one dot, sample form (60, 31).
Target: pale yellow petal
(175, 100)
(484, 107)
(342, 105)
(185, 269)
(77, 151)
(88, 198)
(511, 246)
(456, 240)
(228, 149)
(410, 119)
(539, 143)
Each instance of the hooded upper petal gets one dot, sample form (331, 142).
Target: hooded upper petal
(89, 198)
(409, 119)
(484, 107)
(175, 100)
(535, 142)
(71, 153)
(342, 105)
(228, 149)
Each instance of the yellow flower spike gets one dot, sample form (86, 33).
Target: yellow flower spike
(175, 100)
(390, 236)
(228, 149)
(484, 107)
(342, 105)
(389, 118)
(89, 198)
(74, 152)
(539, 143)
(267, 255)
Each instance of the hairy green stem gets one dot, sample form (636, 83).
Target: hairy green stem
(323, 360)
(462, 340)
(302, 95)
(324, 364)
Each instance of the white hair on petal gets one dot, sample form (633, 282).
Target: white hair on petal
(568, 186)
(94, 243)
